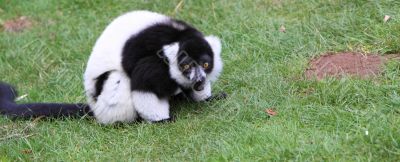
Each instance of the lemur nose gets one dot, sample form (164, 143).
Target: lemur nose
(199, 85)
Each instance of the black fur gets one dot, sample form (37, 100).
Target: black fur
(100, 83)
(143, 58)
(9, 108)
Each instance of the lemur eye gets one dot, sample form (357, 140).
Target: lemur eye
(205, 65)
(185, 67)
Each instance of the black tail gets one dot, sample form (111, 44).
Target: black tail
(8, 106)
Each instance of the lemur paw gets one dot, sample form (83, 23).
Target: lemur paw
(218, 96)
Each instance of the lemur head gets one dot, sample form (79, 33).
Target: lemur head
(194, 61)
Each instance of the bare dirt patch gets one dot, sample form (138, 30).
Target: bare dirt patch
(17, 25)
(347, 64)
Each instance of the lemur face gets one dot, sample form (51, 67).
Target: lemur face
(195, 70)
(195, 61)
(192, 61)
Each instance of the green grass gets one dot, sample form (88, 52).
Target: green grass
(317, 120)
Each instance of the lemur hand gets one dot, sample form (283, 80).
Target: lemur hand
(218, 96)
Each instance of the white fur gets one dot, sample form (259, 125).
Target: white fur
(171, 52)
(192, 73)
(215, 44)
(107, 56)
(178, 26)
(114, 103)
(107, 52)
(203, 94)
(150, 107)
(177, 91)
(202, 72)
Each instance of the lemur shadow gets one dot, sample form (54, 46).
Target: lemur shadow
(179, 103)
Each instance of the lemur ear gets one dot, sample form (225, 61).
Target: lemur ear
(215, 44)
(171, 51)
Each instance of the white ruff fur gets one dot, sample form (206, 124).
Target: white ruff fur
(215, 44)
(150, 107)
(171, 52)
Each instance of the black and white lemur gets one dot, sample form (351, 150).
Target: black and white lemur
(140, 60)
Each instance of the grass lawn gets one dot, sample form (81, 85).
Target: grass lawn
(345, 119)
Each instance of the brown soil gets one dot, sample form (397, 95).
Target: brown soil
(17, 25)
(347, 64)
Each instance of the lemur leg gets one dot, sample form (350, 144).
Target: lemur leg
(203, 94)
(114, 103)
(150, 107)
